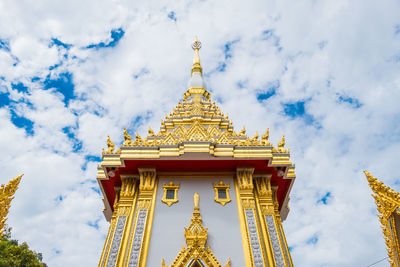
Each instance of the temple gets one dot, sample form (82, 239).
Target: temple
(196, 193)
(388, 205)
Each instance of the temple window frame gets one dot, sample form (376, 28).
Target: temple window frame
(167, 188)
(217, 188)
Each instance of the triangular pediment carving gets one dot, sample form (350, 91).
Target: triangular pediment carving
(197, 132)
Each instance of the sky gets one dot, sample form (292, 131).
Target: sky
(324, 73)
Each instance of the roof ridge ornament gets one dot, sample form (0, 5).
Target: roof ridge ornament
(196, 68)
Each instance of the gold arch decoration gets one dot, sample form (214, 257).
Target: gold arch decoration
(196, 253)
(388, 205)
(6, 196)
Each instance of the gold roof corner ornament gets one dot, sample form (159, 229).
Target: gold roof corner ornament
(196, 253)
(388, 203)
(110, 145)
(281, 146)
(6, 196)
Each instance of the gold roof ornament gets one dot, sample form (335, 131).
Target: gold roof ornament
(196, 68)
(196, 239)
(6, 196)
(388, 205)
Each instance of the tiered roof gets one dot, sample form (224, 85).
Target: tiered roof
(196, 124)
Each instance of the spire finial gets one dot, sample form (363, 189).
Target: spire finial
(196, 68)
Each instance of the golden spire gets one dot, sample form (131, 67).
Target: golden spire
(6, 195)
(387, 202)
(196, 68)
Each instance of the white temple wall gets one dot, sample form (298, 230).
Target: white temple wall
(224, 235)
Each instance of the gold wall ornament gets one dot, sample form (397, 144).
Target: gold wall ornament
(170, 195)
(196, 239)
(222, 193)
(6, 196)
(387, 202)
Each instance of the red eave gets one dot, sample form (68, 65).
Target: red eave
(199, 166)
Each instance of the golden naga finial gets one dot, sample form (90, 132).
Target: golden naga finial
(127, 138)
(110, 145)
(151, 132)
(255, 138)
(242, 132)
(264, 138)
(196, 68)
(6, 195)
(281, 145)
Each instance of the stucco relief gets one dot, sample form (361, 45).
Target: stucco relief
(112, 257)
(275, 241)
(254, 241)
(137, 239)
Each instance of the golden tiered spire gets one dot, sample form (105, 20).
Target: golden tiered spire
(388, 205)
(196, 68)
(6, 195)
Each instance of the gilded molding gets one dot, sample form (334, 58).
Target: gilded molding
(170, 186)
(147, 180)
(220, 199)
(196, 239)
(245, 178)
(387, 202)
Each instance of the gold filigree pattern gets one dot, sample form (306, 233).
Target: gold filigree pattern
(6, 196)
(387, 202)
(196, 239)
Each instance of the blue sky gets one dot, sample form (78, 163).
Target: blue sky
(325, 74)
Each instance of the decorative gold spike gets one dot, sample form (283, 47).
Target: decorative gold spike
(255, 137)
(151, 132)
(281, 145)
(110, 145)
(264, 138)
(6, 196)
(127, 138)
(196, 68)
(138, 140)
(242, 132)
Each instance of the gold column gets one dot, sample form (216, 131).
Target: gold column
(251, 233)
(121, 220)
(281, 234)
(143, 218)
(271, 224)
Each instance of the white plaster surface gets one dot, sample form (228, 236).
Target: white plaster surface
(224, 236)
